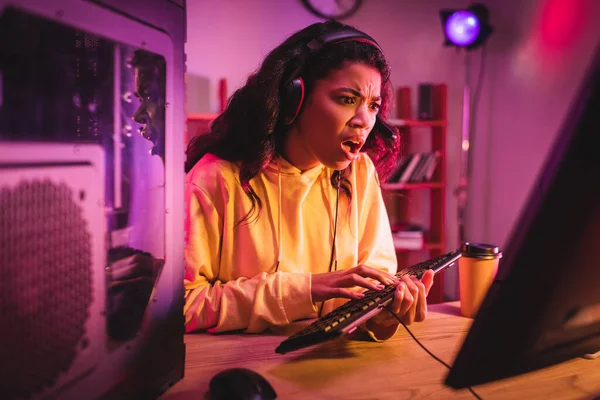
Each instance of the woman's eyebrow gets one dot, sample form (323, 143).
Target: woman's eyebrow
(357, 93)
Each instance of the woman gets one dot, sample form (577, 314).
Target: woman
(285, 217)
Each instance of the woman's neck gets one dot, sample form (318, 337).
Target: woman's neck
(297, 153)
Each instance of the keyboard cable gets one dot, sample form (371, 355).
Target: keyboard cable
(425, 348)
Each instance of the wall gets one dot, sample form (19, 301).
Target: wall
(534, 64)
(527, 82)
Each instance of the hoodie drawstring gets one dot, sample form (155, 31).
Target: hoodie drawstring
(333, 261)
(279, 237)
(334, 249)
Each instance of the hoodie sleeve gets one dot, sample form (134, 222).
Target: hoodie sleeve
(376, 245)
(251, 303)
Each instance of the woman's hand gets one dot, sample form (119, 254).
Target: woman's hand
(410, 301)
(335, 284)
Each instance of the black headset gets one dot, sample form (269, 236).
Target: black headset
(292, 92)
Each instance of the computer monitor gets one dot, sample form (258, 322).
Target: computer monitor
(544, 307)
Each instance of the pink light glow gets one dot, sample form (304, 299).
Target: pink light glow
(561, 23)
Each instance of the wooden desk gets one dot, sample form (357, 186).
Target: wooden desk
(395, 369)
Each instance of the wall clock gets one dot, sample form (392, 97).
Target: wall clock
(332, 9)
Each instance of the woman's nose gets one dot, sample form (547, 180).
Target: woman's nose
(362, 119)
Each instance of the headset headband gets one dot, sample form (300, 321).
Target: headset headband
(328, 39)
(344, 35)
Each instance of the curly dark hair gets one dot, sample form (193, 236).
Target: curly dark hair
(251, 130)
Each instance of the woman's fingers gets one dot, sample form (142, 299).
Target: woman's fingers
(410, 298)
(407, 310)
(427, 280)
(373, 273)
(409, 291)
(336, 284)
(346, 294)
(357, 280)
(398, 298)
(421, 303)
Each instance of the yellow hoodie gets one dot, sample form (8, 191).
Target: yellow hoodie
(230, 274)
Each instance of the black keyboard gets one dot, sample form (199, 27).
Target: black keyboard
(346, 318)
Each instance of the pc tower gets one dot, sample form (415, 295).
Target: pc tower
(91, 198)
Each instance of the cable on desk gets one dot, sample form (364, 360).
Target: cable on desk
(428, 352)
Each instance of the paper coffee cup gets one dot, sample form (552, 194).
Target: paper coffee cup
(477, 269)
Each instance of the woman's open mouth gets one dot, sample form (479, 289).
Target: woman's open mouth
(351, 148)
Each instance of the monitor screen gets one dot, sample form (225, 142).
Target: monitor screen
(544, 307)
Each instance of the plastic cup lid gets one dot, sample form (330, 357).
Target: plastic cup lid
(480, 250)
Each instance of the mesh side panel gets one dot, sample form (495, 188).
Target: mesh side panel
(45, 288)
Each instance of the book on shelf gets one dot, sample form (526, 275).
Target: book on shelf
(415, 167)
(399, 168)
(408, 243)
(407, 229)
(410, 167)
(418, 172)
(408, 236)
(426, 173)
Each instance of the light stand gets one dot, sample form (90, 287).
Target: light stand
(465, 29)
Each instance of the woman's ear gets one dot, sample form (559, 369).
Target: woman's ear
(292, 96)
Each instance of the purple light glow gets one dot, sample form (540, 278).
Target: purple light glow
(462, 28)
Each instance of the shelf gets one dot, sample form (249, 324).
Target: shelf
(201, 117)
(415, 122)
(410, 186)
(426, 246)
(415, 135)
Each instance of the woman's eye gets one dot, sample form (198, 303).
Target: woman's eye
(375, 106)
(348, 100)
(147, 97)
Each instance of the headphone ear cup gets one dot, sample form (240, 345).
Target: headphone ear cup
(292, 98)
(385, 129)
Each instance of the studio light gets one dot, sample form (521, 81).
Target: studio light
(466, 28)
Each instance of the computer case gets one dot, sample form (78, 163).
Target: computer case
(91, 198)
